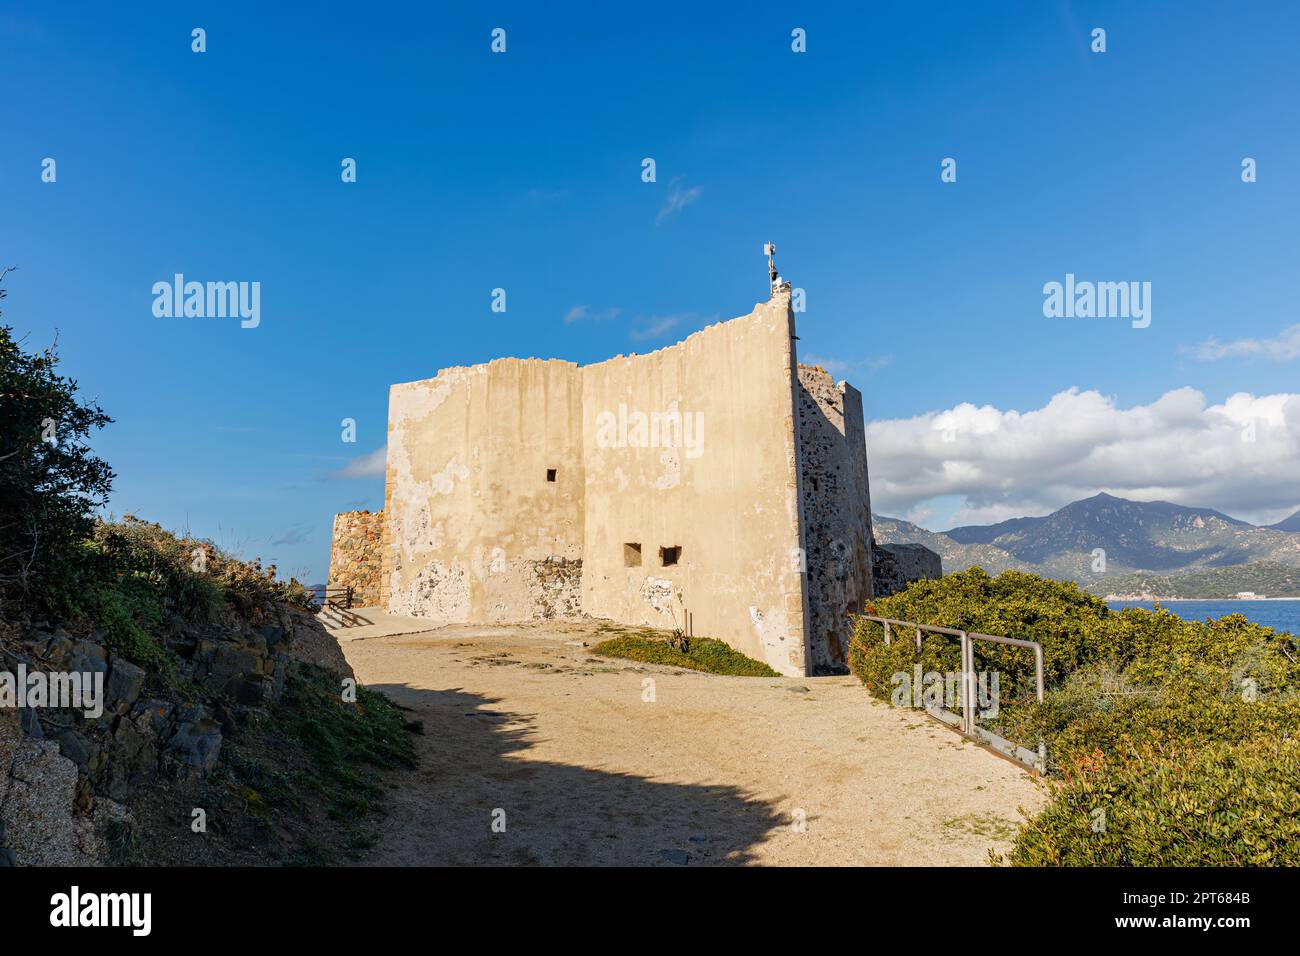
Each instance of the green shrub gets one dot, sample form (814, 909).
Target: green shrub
(1069, 622)
(162, 564)
(1176, 725)
(195, 578)
(50, 481)
(1151, 649)
(1213, 656)
(1184, 733)
(130, 616)
(134, 581)
(705, 654)
(1218, 804)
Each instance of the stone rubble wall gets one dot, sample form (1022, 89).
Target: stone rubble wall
(558, 588)
(64, 777)
(898, 565)
(356, 556)
(836, 508)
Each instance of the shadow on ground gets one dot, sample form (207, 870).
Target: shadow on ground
(473, 764)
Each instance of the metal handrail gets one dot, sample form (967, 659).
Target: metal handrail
(968, 679)
(1019, 642)
(340, 597)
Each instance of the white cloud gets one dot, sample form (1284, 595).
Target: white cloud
(1003, 464)
(367, 466)
(298, 534)
(1285, 347)
(654, 326)
(678, 199)
(583, 313)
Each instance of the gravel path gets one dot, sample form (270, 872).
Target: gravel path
(525, 727)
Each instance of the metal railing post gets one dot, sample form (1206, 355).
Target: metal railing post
(967, 675)
(1038, 670)
(1038, 676)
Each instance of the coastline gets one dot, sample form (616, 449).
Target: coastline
(1130, 598)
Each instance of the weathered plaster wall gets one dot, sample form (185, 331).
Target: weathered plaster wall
(837, 512)
(474, 531)
(699, 447)
(355, 556)
(730, 502)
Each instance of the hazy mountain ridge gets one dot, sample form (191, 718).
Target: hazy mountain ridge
(1288, 524)
(1262, 577)
(1152, 538)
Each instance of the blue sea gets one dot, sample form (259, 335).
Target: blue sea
(1279, 615)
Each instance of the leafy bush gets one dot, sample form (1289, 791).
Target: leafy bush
(705, 654)
(192, 577)
(1069, 622)
(1184, 733)
(1214, 804)
(130, 616)
(50, 482)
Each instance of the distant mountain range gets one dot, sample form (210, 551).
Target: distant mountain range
(1147, 544)
(1289, 524)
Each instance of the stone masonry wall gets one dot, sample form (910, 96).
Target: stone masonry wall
(356, 553)
(898, 565)
(65, 776)
(836, 513)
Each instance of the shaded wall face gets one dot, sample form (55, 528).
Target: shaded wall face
(484, 493)
(837, 513)
(689, 454)
(895, 566)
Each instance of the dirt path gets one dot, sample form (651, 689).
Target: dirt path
(524, 724)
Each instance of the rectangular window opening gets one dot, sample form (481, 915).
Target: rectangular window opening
(550, 474)
(670, 556)
(631, 555)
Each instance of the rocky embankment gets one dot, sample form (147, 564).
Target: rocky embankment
(67, 780)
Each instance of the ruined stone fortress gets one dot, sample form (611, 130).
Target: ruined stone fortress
(715, 486)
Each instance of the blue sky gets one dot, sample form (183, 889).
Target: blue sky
(522, 171)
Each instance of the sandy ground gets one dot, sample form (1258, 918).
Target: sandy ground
(584, 762)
